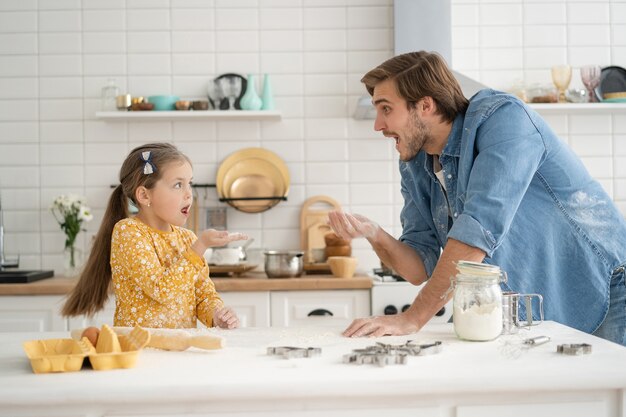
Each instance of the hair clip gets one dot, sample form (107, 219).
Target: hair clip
(148, 167)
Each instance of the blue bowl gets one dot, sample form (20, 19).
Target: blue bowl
(164, 102)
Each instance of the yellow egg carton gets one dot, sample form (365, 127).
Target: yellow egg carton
(67, 355)
(57, 355)
(113, 351)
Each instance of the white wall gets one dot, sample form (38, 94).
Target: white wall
(55, 56)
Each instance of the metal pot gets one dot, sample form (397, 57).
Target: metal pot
(284, 264)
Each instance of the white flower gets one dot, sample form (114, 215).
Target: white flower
(70, 212)
(85, 214)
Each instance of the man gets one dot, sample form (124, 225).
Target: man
(487, 180)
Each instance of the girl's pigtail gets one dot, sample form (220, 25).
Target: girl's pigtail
(92, 290)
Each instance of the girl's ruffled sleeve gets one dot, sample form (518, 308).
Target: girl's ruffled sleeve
(207, 299)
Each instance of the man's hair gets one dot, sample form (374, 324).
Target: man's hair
(421, 74)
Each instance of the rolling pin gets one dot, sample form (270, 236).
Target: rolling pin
(169, 339)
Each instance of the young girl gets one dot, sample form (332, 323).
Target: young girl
(159, 275)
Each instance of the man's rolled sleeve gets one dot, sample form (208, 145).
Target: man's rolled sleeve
(468, 230)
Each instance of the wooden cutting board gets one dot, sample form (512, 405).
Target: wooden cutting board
(314, 223)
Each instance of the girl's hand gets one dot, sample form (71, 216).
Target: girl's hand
(225, 318)
(212, 237)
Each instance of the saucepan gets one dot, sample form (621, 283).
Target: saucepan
(284, 264)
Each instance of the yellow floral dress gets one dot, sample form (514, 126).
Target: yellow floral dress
(159, 281)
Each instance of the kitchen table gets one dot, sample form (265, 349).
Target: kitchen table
(497, 378)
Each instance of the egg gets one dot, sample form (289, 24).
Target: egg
(92, 334)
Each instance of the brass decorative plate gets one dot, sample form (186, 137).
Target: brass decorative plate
(252, 173)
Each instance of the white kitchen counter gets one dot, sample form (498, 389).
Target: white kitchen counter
(466, 379)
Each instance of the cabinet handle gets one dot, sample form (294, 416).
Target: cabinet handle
(320, 312)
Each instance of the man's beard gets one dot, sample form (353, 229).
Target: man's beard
(416, 137)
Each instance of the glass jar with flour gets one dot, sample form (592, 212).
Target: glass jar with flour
(477, 301)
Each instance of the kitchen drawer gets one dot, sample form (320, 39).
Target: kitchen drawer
(298, 308)
(252, 307)
(597, 407)
(36, 313)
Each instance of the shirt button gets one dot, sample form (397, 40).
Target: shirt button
(449, 175)
(455, 215)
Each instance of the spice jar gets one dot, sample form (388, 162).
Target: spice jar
(477, 301)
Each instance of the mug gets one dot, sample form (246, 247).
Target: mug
(510, 311)
(225, 256)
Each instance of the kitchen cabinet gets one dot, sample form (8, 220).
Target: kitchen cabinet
(574, 407)
(252, 307)
(137, 116)
(104, 316)
(466, 379)
(37, 313)
(301, 308)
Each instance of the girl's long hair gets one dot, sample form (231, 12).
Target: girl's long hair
(92, 290)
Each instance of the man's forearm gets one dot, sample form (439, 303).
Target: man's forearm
(431, 298)
(399, 256)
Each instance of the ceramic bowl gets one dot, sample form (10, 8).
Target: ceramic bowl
(183, 105)
(164, 103)
(200, 105)
(342, 266)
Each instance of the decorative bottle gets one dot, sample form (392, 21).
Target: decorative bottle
(267, 97)
(109, 95)
(250, 99)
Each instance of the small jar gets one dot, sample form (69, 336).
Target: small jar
(109, 96)
(477, 301)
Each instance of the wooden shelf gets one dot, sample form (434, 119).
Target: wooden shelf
(121, 116)
(578, 108)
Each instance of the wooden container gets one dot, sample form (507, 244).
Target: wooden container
(338, 251)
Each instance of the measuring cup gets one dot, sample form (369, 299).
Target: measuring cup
(510, 311)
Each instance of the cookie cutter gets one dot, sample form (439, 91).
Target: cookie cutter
(574, 349)
(289, 352)
(383, 354)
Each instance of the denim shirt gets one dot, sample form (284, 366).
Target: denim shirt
(520, 194)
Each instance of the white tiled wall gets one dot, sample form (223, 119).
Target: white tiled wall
(55, 56)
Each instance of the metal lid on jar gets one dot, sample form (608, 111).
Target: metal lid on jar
(479, 270)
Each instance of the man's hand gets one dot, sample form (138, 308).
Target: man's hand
(350, 226)
(398, 324)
